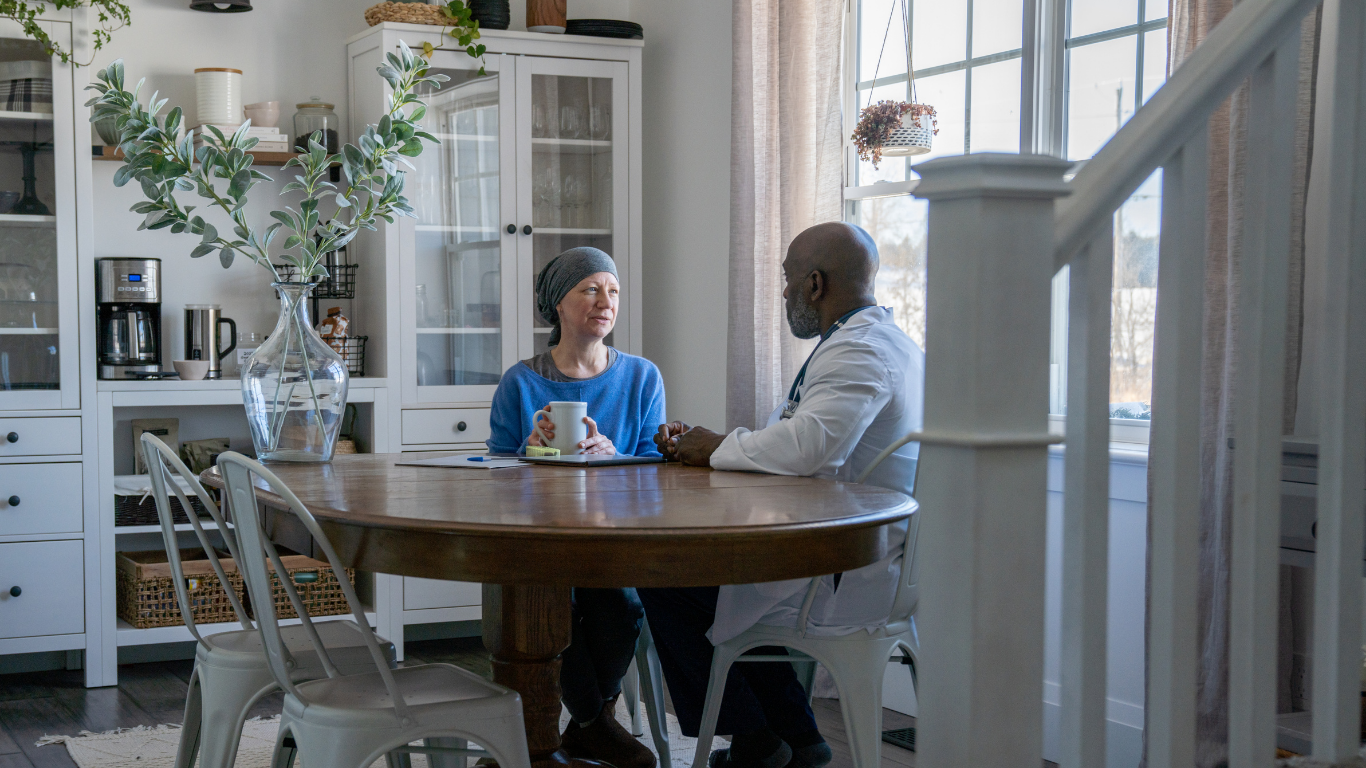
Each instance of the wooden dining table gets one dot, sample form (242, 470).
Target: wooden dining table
(531, 534)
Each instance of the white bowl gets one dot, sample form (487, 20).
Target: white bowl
(191, 370)
(263, 114)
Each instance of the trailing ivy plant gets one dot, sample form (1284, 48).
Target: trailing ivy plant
(221, 172)
(464, 29)
(112, 16)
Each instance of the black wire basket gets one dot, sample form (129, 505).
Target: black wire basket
(339, 284)
(353, 352)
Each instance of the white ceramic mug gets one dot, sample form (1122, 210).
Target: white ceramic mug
(570, 429)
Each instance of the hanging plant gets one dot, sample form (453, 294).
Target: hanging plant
(112, 15)
(894, 128)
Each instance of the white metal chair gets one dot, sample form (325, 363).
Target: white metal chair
(230, 671)
(856, 661)
(351, 720)
(645, 677)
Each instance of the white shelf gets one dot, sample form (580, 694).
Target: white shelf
(28, 331)
(130, 635)
(120, 530)
(570, 231)
(542, 330)
(463, 137)
(573, 145)
(172, 392)
(451, 228)
(45, 117)
(459, 331)
(25, 220)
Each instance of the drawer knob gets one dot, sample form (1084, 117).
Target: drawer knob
(13, 501)
(15, 591)
(460, 427)
(526, 230)
(512, 229)
(13, 437)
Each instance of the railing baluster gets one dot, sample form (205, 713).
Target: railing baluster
(1342, 443)
(1258, 407)
(1174, 453)
(1086, 506)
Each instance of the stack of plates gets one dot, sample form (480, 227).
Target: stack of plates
(491, 14)
(605, 28)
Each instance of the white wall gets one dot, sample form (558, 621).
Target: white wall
(687, 200)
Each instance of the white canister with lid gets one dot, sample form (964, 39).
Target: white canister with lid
(219, 94)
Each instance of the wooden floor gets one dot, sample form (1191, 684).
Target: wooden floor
(33, 705)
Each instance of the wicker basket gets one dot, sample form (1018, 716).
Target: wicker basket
(406, 13)
(146, 591)
(317, 586)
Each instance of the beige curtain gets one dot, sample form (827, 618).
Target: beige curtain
(1190, 22)
(785, 176)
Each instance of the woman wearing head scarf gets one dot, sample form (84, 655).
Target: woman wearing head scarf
(577, 293)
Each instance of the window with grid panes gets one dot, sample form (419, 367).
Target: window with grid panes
(967, 57)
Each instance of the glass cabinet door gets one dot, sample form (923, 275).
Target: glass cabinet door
(459, 338)
(571, 175)
(37, 226)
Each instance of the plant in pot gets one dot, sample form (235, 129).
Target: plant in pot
(294, 385)
(894, 129)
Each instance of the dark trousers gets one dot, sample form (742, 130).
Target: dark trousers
(758, 695)
(606, 626)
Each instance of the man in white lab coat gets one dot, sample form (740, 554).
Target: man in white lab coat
(860, 390)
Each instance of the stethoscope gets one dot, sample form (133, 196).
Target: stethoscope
(794, 395)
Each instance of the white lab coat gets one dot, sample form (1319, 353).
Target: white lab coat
(864, 389)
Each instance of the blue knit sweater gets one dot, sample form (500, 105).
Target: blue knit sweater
(626, 400)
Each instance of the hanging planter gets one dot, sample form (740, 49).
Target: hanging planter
(895, 128)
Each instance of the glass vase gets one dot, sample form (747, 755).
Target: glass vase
(294, 386)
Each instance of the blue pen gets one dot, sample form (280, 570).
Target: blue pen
(478, 458)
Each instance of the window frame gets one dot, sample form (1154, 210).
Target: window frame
(1044, 88)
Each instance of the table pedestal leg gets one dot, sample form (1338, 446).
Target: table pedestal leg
(526, 629)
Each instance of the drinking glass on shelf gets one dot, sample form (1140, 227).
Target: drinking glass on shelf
(545, 191)
(571, 122)
(600, 122)
(538, 122)
(576, 196)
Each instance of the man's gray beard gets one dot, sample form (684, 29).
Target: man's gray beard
(803, 319)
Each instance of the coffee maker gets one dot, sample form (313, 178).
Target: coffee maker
(128, 314)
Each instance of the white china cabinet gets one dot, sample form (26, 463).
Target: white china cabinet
(539, 154)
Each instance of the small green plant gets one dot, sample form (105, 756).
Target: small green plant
(464, 29)
(877, 121)
(112, 15)
(221, 172)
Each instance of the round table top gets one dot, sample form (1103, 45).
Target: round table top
(645, 525)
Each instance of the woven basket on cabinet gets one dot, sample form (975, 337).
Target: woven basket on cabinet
(406, 13)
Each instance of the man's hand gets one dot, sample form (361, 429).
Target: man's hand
(667, 439)
(696, 446)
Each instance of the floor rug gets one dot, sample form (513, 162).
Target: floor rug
(144, 747)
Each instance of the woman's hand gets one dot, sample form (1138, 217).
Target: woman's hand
(596, 442)
(547, 426)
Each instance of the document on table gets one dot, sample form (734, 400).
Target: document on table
(462, 462)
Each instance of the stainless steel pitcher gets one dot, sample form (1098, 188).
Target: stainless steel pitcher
(202, 338)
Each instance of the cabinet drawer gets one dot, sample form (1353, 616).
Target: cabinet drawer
(48, 499)
(51, 582)
(445, 425)
(430, 593)
(40, 437)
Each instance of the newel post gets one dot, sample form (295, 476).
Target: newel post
(983, 475)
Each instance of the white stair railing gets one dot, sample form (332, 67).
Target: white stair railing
(999, 227)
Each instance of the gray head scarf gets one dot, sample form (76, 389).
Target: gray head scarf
(561, 275)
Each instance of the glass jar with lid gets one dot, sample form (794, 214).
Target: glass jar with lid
(316, 115)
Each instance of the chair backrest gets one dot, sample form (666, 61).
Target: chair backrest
(256, 548)
(163, 465)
